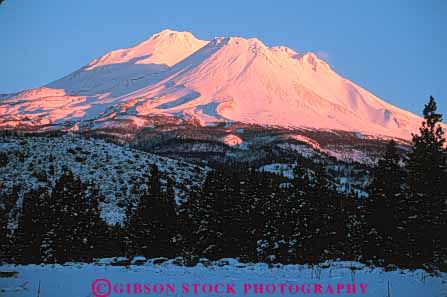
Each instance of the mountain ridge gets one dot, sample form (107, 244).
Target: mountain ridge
(225, 79)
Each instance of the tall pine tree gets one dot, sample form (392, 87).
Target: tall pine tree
(34, 221)
(385, 196)
(427, 180)
(152, 226)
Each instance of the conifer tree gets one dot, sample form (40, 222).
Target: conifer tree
(152, 225)
(427, 181)
(3, 234)
(170, 193)
(326, 219)
(388, 175)
(8, 252)
(33, 222)
(167, 218)
(66, 204)
(385, 196)
(75, 220)
(140, 231)
(95, 237)
(154, 184)
(207, 221)
(187, 223)
(427, 159)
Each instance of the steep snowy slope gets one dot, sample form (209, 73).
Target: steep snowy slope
(226, 79)
(122, 70)
(92, 90)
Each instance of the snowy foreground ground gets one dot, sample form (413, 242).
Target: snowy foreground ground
(236, 279)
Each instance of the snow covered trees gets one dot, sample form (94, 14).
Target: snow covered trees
(228, 215)
(3, 159)
(4, 244)
(152, 225)
(59, 226)
(33, 223)
(247, 214)
(386, 193)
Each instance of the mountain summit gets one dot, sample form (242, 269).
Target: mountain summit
(225, 79)
(165, 48)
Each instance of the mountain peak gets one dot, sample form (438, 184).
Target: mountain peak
(239, 44)
(166, 47)
(232, 78)
(235, 40)
(172, 34)
(169, 31)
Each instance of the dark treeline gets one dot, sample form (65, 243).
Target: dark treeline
(406, 210)
(253, 216)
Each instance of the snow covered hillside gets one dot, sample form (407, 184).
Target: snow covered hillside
(225, 79)
(118, 172)
(242, 279)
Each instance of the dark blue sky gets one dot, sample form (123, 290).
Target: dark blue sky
(395, 49)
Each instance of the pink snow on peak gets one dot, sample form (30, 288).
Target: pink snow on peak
(167, 47)
(225, 79)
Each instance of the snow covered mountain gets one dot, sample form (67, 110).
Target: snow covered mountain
(226, 79)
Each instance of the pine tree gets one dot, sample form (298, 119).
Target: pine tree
(3, 234)
(140, 233)
(94, 237)
(76, 225)
(8, 252)
(152, 225)
(187, 223)
(47, 247)
(285, 219)
(163, 221)
(66, 200)
(388, 175)
(427, 180)
(171, 236)
(327, 220)
(427, 160)
(33, 222)
(170, 193)
(385, 195)
(154, 185)
(208, 235)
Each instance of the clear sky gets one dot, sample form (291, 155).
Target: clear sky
(396, 49)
